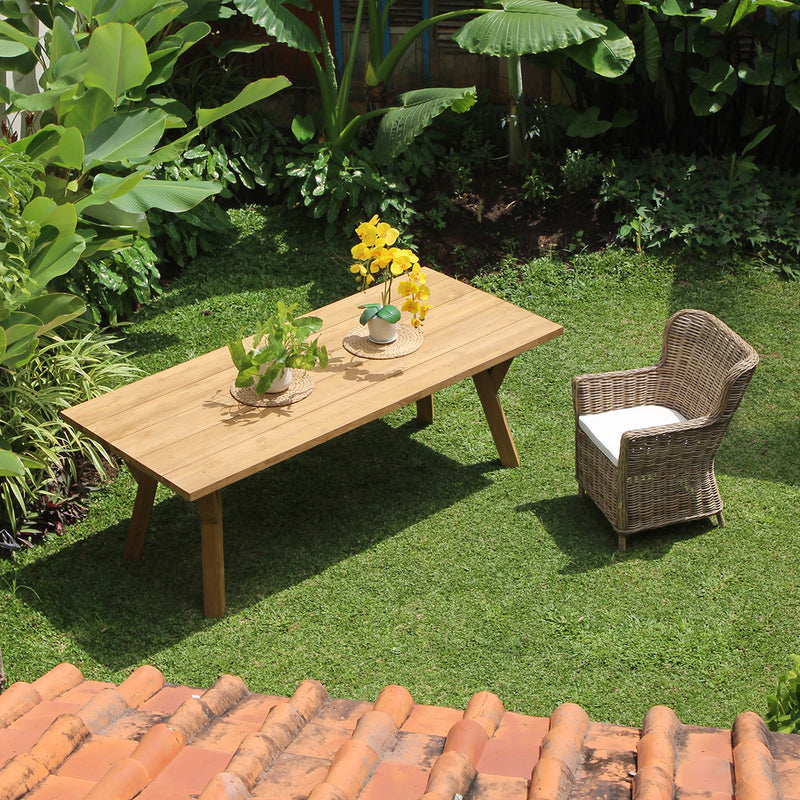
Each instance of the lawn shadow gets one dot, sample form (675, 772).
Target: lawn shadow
(275, 258)
(582, 533)
(281, 527)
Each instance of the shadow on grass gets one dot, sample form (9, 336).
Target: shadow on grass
(283, 526)
(277, 257)
(581, 532)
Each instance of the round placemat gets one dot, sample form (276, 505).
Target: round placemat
(358, 343)
(299, 388)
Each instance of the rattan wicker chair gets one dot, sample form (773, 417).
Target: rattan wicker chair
(663, 470)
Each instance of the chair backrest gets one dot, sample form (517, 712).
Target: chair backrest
(704, 367)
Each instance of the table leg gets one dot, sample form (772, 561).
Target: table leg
(425, 410)
(487, 384)
(210, 508)
(142, 506)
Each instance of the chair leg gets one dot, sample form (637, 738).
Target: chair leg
(720, 519)
(621, 542)
(581, 490)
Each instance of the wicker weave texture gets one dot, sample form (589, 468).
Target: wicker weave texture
(666, 474)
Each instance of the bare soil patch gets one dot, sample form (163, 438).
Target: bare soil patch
(492, 219)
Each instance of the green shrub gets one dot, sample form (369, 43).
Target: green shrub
(75, 364)
(178, 237)
(343, 189)
(716, 208)
(580, 171)
(783, 708)
(114, 286)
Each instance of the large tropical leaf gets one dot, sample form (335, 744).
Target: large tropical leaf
(126, 137)
(57, 258)
(609, 56)
(9, 33)
(47, 212)
(173, 196)
(111, 228)
(88, 111)
(54, 309)
(127, 11)
(281, 23)
(792, 94)
(526, 27)
(54, 144)
(652, 46)
(156, 19)
(721, 77)
(38, 101)
(704, 102)
(587, 124)
(62, 41)
(116, 59)
(68, 71)
(11, 49)
(19, 331)
(252, 93)
(400, 126)
(732, 12)
(9, 463)
(166, 54)
(108, 187)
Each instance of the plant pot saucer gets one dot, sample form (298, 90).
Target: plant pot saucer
(357, 342)
(300, 388)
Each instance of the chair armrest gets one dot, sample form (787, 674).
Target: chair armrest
(605, 391)
(670, 447)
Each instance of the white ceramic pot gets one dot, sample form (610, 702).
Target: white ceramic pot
(381, 331)
(281, 383)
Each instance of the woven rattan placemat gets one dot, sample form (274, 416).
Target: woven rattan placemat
(358, 343)
(299, 388)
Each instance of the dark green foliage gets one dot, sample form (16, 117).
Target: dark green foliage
(717, 208)
(342, 189)
(240, 150)
(114, 286)
(705, 79)
(783, 708)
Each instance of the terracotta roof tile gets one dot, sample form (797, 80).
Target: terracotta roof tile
(64, 738)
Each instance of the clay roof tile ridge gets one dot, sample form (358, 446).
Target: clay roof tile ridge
(753, 760)
(456, 768)
(259, 750)
(553, 776)
(195, 713)
(357, 759)
(58, 680)
(20, 775)
(21, 697)
(657, 755)
(66, 733)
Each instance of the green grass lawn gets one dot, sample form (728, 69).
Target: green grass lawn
(400, 554)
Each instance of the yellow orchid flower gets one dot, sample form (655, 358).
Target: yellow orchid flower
(387, 233)
(360, 251)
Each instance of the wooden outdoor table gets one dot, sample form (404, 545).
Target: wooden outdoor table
(182, 426)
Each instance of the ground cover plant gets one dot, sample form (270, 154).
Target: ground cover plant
(448, 574)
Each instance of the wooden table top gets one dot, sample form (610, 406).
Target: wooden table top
(183, 427)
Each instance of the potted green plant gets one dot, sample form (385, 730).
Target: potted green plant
(280, 344)
(378, 258)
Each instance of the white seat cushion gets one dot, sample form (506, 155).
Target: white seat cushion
(606, 429)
